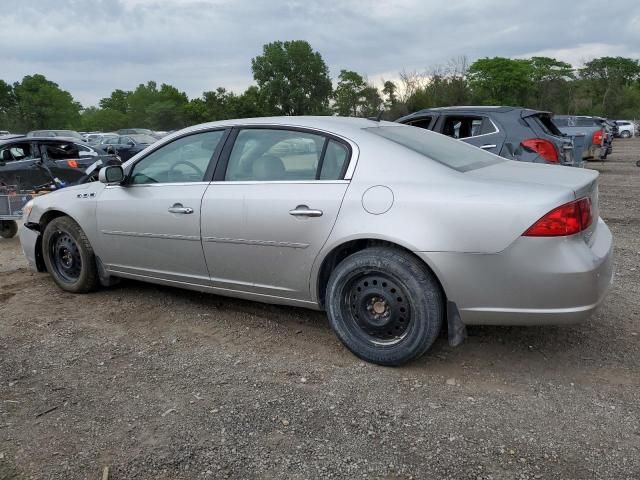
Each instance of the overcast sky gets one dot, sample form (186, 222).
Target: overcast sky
(91, 47)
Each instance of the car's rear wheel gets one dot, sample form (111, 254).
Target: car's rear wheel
(385, 305)
(69, 257)
(8, 228)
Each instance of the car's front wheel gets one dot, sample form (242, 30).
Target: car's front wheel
(385, 305)
(8, 228)
(69, 257)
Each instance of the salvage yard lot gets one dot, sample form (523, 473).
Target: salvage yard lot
(155, 382)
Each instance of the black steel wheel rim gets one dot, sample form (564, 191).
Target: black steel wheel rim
(376, 308)
(65, 256)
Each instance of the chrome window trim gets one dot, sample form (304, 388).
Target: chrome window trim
(353, 161)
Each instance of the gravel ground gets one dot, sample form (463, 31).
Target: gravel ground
(155, 382)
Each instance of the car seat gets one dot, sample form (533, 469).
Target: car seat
(268, 167)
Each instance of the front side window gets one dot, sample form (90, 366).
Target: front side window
(183, 160)
(17, 151)
(276, 155)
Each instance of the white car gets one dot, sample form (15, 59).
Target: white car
(626, 129)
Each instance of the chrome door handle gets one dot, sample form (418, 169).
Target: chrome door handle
(178, 208)
(487, 147)
(304, 211)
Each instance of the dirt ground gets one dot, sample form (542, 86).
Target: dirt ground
(155, 382)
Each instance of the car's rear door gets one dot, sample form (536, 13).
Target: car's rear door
(271, 207)
(149, 227)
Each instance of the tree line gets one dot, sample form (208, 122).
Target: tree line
(293, 79)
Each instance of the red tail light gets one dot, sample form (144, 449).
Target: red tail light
(596, 139)
(567, 219)
(544, 148)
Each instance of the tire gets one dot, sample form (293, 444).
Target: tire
(69, 257)
(625, 134)
(8, 228)
(385, 305)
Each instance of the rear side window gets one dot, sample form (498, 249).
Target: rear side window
(62, 151)
(459, 126)
(457, 155)
(422, 122)
(262, 154)
(335, 161)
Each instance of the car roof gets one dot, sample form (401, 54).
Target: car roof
(330, 124)
(41, 139)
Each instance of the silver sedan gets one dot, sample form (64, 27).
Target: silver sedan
(395, 231)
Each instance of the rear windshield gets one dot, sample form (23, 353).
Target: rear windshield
(455, 154)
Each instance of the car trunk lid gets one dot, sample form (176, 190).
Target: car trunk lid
(580, 182)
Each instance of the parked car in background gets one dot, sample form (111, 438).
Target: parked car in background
(511, 132)
(36, 162)
(126, 146)
(4, 132)
(393, 230)
(593, 130)
(134, 131)
(142, 131)
(56, 133)
(98, 138)
(626, 128)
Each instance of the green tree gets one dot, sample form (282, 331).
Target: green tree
(293, 78)
(7, 106)
(390, 91)
(348, 93)
(41, 103)
(498, 80)
(355, 97)
(102, 119)
(604, 82)
(551, 84)
(118, 101)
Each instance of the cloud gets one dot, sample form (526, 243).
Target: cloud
(91, 47)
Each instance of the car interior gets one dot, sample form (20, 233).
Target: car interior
(15, 151)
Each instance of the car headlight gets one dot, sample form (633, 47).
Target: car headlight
(26, 210)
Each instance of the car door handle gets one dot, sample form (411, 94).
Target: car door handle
(304, 211)
(178, 208)
(487, 147)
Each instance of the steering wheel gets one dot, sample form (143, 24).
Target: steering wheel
(188, 164)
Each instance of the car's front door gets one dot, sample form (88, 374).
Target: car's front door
(271, 207)
(21, 165)
(150, 225)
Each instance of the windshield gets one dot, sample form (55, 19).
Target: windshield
(142, 138)
(455, 154)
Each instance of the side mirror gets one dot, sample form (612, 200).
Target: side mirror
(111, 175)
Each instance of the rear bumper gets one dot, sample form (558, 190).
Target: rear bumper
(535, 281)
(28, 241)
